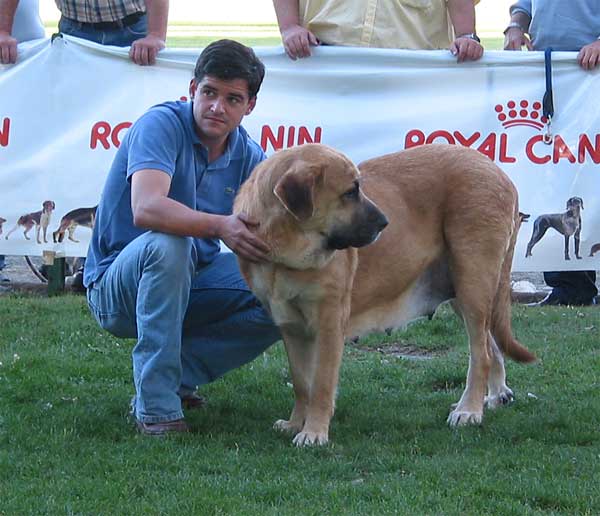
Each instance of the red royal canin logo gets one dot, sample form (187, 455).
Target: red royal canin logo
(521, 113)
(497, 145)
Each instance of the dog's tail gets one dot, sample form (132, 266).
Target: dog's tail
(501, 324)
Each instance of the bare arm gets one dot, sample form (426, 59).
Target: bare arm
(462, 14)
(143, 51)
(515, 35)
(153, 210)
(297, 40)
(8, 44)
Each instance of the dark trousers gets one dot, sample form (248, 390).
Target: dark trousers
(572, 287)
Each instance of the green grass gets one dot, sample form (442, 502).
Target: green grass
(67, 446)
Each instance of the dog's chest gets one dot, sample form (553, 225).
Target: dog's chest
(289, 298)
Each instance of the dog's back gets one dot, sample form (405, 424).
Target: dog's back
(453, 220)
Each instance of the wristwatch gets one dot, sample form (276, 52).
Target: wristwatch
(514, 25)
(471, 35)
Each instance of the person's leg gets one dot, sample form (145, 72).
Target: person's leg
(144, 294)
(225, 326)
(571, 287)
(3, 277)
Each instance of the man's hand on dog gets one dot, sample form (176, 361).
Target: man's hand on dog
(237, 235)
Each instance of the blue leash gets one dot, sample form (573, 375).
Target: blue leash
(548, 101)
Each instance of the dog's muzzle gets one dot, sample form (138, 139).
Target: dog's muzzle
(363, 230)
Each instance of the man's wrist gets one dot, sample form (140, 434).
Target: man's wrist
(470, 35)
(515, 25)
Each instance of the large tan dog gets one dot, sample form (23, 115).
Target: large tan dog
(453, 221)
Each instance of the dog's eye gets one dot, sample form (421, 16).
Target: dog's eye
(352, 194)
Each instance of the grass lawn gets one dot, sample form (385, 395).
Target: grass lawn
(67, 446)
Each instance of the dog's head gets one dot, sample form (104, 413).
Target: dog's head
(321, 191)
(48, 206)
(575, 203)
(309, 203)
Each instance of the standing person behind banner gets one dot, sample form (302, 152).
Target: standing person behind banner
(17, 25)
(563, 26)
(411, 24)
(154, 269)
(141, 24)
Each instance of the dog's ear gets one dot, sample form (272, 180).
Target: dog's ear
(296, 191)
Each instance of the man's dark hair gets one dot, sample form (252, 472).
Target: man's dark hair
(228, 60)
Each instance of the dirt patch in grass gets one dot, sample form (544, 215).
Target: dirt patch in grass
(402, 350)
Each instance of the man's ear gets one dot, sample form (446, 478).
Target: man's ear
(251, 104)
(296, 191)
(193, 87)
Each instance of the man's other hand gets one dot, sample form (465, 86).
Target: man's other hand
(466, 49)
(143, 51)
(589, 56)
(515, 39)
(8, 48)
(297, 41)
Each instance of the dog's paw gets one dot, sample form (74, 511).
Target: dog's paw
(463, 418)
(505, 397)
(306, 438)
(287, 426)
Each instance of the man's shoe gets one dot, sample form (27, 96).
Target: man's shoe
(162, 428)
(193, 401)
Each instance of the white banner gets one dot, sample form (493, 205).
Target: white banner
(65, 106)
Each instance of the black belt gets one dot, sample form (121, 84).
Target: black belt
(112, 25)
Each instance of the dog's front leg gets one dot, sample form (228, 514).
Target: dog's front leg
(328, 354)
(301, 357)
(37, 234)
(567, 247)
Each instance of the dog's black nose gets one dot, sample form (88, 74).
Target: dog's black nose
(383, 222)
(377, 219)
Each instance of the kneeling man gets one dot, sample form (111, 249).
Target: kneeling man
(154, 269)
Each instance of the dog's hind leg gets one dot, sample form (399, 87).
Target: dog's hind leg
(576, 237)
(539, 230)
(11, 231)
(71, 230)
(469, 409)
(499, 393)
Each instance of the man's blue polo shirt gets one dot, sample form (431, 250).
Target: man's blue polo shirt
(164, 138)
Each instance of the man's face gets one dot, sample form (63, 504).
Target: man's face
(219, 107)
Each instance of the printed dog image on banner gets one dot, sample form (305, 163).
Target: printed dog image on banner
(567, 224)
(355, 252)
(39, 219)
(79, 217)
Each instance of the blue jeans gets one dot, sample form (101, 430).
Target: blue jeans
(122, 37)
(191, 328)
